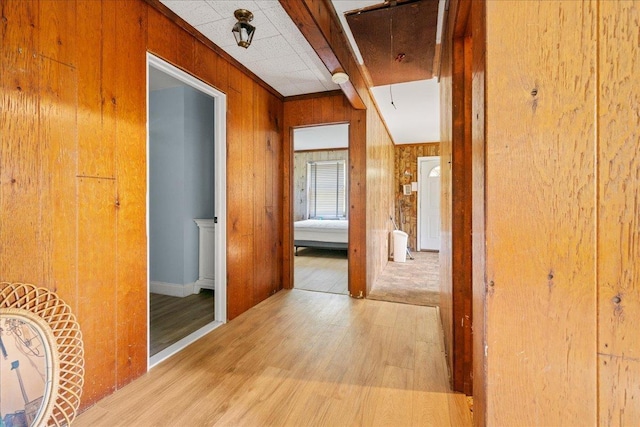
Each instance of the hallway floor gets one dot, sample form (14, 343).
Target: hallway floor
(300, 359)
(415, 281)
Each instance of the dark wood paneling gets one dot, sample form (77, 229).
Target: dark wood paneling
(385, 33)
(73, 168)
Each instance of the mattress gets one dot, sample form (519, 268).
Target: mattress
(320, 230)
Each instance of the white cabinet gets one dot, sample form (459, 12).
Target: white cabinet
(206, 255)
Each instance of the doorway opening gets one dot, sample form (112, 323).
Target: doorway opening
(320, 220)
(186, 209)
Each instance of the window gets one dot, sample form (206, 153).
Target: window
(435, 172)
(326, 190)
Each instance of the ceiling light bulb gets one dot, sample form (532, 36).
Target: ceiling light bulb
(339, 78)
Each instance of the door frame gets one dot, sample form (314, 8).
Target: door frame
(220, 198)
(421, 159)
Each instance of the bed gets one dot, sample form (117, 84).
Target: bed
(321, 233)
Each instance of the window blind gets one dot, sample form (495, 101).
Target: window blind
(326, 189)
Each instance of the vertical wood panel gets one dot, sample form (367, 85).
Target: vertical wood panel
(162, 36)
(540, 213)
(97, 285)
(96, 98)
(20, 259)
(131, 187)
(58, 30)
(619, 215)
(261, 268)
(58, 142)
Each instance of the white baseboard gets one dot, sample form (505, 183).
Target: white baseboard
(172, 289)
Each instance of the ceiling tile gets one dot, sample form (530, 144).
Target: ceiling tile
(274, 47)
(194, 12)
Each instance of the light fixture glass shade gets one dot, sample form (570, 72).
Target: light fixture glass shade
(242, 30)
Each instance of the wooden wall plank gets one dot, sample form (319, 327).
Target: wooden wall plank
(96, 98)
(57, 30)
(20, 259)
(261, 265)
(618, 246)
(58, 188)
(131, 188)
(97, 290)
(162, 36)
(540, 213)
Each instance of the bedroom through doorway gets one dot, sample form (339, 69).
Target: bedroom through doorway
(320, 200)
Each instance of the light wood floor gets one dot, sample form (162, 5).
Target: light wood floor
(300, 359)
(173, 318)
(321, 270)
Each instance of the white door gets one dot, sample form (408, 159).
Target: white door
(429, 203)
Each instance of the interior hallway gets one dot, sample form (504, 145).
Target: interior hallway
(300, 358)
(415, 281)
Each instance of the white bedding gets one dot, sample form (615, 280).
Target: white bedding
(322, 230)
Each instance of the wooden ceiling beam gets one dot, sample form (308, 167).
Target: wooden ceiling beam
(305, 15)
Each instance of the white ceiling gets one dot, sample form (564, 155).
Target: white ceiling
(279, 53)
(282, 57)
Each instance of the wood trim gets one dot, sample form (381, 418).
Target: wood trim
(160, 7)
(456, 297)
(312, 95)
(322, 149)
(478, 144)
(300, 14)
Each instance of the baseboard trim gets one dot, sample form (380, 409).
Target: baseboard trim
(172, 289)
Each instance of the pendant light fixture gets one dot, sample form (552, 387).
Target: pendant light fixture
(242, 30)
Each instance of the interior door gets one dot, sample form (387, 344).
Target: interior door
(429, 204)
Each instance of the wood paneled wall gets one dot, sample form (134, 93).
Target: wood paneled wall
(73, 169)
(559, 160)
(406, 159)
(300, 160)
(380, 194)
